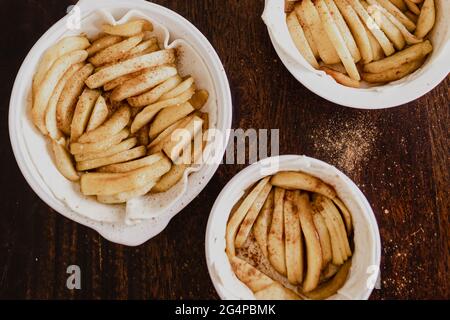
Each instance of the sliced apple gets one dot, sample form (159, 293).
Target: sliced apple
(276, 248)
(312, 244)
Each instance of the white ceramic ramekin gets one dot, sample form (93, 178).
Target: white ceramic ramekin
(366, 257)
(435, 69)
(180, 28)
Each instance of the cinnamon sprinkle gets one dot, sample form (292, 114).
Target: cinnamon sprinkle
(346, 144)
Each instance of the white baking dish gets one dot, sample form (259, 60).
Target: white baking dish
(367, 252)
(20, 123)
(434, 70)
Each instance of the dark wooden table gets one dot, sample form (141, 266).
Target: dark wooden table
(398, 157)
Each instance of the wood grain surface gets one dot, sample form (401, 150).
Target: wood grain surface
(398, 157)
